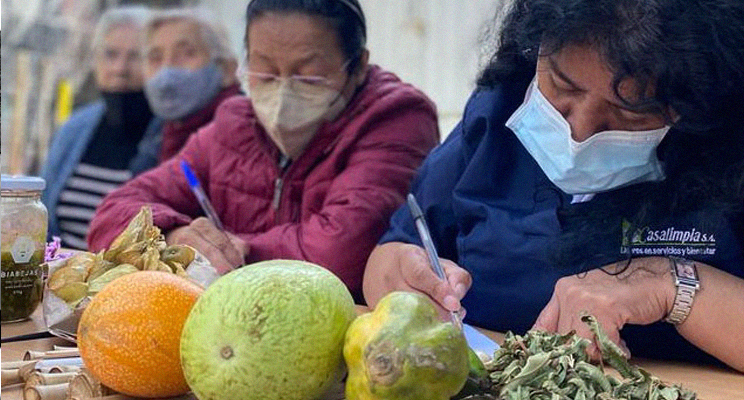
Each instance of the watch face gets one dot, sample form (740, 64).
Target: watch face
(686, 269)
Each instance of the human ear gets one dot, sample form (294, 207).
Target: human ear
(361, 70)
(229, 69)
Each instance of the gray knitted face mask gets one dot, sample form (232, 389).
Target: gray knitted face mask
(174, 93)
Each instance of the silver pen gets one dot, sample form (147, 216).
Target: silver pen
(431, 251)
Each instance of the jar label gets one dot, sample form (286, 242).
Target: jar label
(23, 249)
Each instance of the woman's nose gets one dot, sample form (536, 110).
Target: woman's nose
(585, 120)
(121, 65)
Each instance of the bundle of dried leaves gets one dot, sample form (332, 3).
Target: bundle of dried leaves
(547, 366)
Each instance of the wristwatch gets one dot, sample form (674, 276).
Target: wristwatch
(687, 282)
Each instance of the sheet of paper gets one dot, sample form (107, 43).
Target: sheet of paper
(478, 341)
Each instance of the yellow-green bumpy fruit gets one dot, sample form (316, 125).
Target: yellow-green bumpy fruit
(273, 330)
(403, 351)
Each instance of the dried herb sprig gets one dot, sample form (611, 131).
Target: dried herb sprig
(548, 366)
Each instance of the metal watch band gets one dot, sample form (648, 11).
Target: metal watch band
(687, 284)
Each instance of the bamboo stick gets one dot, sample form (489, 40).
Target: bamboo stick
(48, 363)
(37, 355)
(37, 378)
(14, 370)
(64, 368)
(84, 386)
(58, 347)
(17, 364)
(10, 377)
(46, 392)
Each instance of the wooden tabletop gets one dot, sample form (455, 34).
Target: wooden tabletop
(709, 382)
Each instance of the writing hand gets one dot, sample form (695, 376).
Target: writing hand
(400, 266)
(224, 250)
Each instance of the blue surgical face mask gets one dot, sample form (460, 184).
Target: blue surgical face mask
(604, 161)
(174, 93)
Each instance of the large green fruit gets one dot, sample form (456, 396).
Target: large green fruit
(270, 330)
(402, 351)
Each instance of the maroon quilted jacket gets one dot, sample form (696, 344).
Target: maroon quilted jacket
(329, 207)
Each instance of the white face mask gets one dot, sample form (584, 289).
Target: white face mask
(291, 111)
(607, 160)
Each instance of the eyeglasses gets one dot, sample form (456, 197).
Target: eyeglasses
(314, 80)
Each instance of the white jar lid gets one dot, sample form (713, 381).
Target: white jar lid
(22, 183)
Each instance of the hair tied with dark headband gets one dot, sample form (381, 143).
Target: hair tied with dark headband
(354, 6)
(346, 18)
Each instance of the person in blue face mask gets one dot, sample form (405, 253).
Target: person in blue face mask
(189, 70)
(597, 168)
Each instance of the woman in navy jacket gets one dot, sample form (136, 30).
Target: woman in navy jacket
(600, 157)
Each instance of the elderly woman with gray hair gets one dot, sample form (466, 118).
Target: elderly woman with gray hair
(96, 150)
(309, 167)
(189, 71)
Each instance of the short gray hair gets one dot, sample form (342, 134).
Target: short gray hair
(210, 29)
(112, 18)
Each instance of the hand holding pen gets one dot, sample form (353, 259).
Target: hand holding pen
(431, 251)
(201, 197)
(223, 249)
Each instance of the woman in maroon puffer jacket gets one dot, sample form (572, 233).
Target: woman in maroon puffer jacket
(311, 167)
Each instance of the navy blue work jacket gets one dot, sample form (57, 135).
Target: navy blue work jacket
(493, 211)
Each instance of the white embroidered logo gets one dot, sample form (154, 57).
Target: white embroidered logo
(665, 242)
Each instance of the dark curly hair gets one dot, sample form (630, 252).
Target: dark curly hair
(692, 53)
(346, 17)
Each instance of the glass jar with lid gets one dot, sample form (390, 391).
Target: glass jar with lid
(23, 235)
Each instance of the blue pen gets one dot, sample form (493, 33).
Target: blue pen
(201, 197)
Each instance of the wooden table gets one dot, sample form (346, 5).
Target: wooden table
(710, 383)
